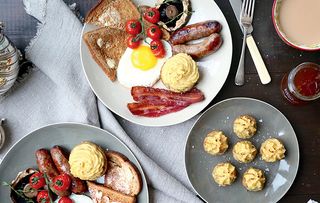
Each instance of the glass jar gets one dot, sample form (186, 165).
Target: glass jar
(302, 84)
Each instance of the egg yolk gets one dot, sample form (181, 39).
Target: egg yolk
(143, 58)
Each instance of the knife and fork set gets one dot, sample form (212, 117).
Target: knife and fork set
(244, 13)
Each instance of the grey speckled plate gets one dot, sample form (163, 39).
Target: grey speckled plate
(67, 135)
(271, 123)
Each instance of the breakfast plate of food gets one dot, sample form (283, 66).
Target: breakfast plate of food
(159, 62)
(69, 162)
(244, 150)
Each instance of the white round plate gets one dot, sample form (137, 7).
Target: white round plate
(214, 70)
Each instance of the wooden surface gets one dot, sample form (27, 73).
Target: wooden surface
(279, 59)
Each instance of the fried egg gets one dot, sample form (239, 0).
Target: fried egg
(139, 67)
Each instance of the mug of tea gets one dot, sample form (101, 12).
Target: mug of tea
(297, 23)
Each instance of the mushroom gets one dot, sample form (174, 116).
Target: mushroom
(21, 183)
(173, 13)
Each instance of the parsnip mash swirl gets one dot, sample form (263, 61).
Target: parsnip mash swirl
(87, 161)
(253, 179)
(272, 150)
(180, 73)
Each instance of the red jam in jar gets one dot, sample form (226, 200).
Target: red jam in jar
(302, 84)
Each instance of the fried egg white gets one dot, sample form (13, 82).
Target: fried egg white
(139, 67)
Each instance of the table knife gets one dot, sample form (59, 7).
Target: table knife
(254, 51)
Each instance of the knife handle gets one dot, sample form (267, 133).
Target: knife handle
(258, 61)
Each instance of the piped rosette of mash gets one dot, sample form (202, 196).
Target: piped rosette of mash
(88, 161)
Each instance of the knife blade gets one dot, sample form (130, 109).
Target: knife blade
(253, 49)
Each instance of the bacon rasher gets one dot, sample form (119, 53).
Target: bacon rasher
(155, 102)
(161, 96)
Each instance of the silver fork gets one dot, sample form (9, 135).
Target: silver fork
(246, 17)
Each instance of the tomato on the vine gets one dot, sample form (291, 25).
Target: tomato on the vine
(43, 197)
(133, 27)
(37, 180)
(65, 200)
(152, 15)
(160, 53)
(154, 32)
(133, 42)
(62, 182)
(157, 48)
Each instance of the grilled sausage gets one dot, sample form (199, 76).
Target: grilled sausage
(46, 166)
(196, 51)
(195, 31)
(61, 161)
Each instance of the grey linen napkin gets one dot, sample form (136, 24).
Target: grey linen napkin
(57, 91)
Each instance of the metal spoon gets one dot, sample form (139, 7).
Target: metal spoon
(2, 134)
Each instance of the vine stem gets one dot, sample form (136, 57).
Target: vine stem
(18, 193)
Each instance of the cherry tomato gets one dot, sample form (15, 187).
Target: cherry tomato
(157, 48)
(62, 182)
(160, 53)
(133, 27)
(133, 42)
(43, 197)
(65, 200)
(37, 181)
(154, 32)
(152, 15)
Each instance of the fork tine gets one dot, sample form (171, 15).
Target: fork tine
(252, 10)
(247, 7)
(242, 8)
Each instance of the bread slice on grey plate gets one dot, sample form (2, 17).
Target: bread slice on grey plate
(113, 13)
(122, 175)
(106, 46)
(102, 194)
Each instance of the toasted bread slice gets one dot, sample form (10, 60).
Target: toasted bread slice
(113, 13)
(122, 175)
(91, 16)
(102, 194)
(106, 46)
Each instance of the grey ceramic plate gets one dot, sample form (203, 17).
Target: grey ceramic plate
(67, 135)
(271, 123)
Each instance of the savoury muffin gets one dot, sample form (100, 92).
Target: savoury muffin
(224, 174)
(272, 150)
(215, 142)
(245, 126)
(244, 151)
(253, 179)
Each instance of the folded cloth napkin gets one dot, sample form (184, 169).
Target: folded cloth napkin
(57, 91)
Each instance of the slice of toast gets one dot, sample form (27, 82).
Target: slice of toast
(122, 175)
(102, 194)
(106, 46)
(113, 13)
